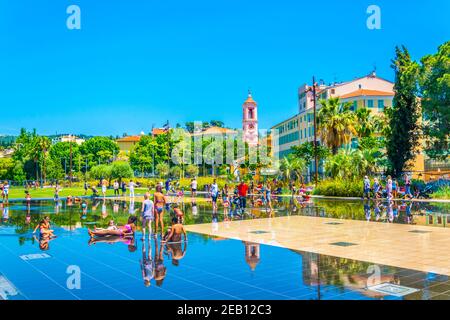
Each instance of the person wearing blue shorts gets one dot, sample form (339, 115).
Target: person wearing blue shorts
(147, 215)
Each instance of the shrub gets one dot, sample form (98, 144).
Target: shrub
(442, 193)
(340, 188)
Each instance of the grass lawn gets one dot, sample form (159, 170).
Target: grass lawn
(19, 192)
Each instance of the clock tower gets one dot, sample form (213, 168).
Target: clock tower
(250, 121)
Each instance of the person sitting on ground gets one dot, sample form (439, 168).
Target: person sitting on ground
(173, 234)
(122, 231)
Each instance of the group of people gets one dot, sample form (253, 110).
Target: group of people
(390, 191)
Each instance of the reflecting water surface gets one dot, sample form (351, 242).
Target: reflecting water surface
(203, 267)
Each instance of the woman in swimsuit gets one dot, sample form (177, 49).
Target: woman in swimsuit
(159, 200)
(122, 231)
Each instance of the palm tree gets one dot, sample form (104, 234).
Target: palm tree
(340, 165)
(38, 151)
(368, 123)
(336, 123)
(292, 165)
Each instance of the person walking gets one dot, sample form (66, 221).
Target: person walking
(5, 192)
(214, 194)
(131, 186)
(366, 187)
(242, 192)
(389, 188)
(194, 187)
(104, 185)
(407, 186)
(116, 188)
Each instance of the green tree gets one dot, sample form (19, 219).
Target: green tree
(435, 89)
(121, 170)
(367, 123)
(340, 165)
(175, 172)
(192, 170)
(102, 171)
(99, 149)
(162, 169)
(402, 139)
(60, 154)
(217, 123)
(306, 151)
(292, 167)
(6, 168)
(336, 123)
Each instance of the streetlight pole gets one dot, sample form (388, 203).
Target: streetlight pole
(316, 162)
(70, 164)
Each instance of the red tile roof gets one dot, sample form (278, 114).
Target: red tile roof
(158, 131)
(365, 92)
(129, 139)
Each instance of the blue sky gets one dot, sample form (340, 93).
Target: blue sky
(136, 63)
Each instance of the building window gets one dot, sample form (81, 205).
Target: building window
(370, 103)
(381, 104)
(354, 106)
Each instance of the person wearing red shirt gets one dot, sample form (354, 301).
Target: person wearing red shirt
(242, 192)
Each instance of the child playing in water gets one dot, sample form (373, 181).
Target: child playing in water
(173, 234)
(147, 214)
(178, 213)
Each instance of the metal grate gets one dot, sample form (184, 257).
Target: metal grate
(343, 244)
(392, 289)
(419, 231)
(333, 223)
(259, 232)
(34, 256)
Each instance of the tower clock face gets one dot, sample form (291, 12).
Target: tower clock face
(251, 126)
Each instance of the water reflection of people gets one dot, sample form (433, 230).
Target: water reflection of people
(122, 231)
(5, 213)
(177, 251)
(367, 211)
(147, 264)
(409, 216)
(390, 211)
(44, 242)
(44, 228)
(160, 268)
(194, 208)
(129, 241)
(28, 215)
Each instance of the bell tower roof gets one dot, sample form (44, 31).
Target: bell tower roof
(249, 98)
